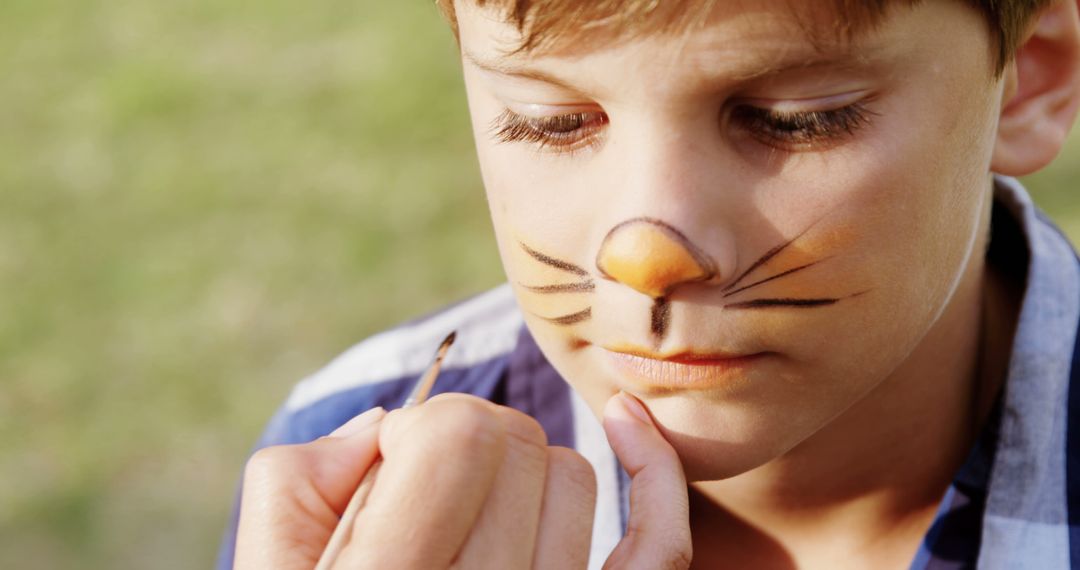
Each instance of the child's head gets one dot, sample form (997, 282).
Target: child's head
(677, 181)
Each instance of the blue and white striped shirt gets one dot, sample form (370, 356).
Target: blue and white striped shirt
(1014, 504)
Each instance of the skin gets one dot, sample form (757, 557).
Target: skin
(810, 454)
(906, 197)
(492, 494)
(896, 215)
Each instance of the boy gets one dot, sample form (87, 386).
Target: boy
(773, 244)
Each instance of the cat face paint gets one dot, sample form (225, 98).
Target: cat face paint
(583, 285)
(758, 234)
(654, 258)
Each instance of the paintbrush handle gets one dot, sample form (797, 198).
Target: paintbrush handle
(343, 531)
(340, 538)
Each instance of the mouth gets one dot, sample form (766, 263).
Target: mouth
(651, 373)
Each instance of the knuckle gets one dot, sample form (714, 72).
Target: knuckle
(271, 464)
(467, 422)
(526, 441)
(668, 551)
(522, 428)
(573, 470)
(681, 557)
(678, 549)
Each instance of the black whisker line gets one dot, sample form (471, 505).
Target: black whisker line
(765, 258)
(853, 295)
(583, 287)
(771, 303)
(556, 263)
(571, 319)
(761, 261)
(777, 276)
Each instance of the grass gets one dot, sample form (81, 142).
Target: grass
(202, 202)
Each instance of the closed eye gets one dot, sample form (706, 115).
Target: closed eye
(783, 129)
(793, 130)
(563, 133)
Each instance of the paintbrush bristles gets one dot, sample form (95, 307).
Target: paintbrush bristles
(423, 387)
(445, 346)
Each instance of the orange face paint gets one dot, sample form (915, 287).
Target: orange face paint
(652, 257)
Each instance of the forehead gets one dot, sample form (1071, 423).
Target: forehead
(539, 27)
(734, 40)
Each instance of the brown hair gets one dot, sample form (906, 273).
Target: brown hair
(542, 22)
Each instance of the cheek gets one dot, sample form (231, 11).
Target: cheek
(922, 184)
(531, 208)
(902, 211)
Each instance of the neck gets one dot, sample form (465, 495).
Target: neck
(868, 483)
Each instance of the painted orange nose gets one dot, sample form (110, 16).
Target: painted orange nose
(652, 257)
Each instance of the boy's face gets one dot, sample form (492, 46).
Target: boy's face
(641, 191)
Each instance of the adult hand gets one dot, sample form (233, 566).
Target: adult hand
(464, 483)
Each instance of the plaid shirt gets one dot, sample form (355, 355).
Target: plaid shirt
(1014, 504)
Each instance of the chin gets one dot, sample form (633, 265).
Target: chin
(720, 440)
(712, 460)
(718, 432)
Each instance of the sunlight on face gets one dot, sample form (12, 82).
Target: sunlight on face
(747, 228)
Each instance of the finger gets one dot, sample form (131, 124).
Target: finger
(658, 532)
(440, 461)
(293, 495)
(566, 517)
(504, 535)
(359, 423)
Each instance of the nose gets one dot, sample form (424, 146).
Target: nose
(652, 257)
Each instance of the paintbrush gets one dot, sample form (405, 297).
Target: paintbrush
(344, 528)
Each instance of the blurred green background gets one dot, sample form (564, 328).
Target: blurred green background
(200, 203)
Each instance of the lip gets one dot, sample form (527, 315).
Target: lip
(686, 370)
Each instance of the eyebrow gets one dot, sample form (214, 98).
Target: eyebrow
(844, 58)
(512, 71)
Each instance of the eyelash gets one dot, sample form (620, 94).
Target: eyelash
(781, 129)
(563, 133)
(795, 130)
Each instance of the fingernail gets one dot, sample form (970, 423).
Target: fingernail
(359, 423)
(634, 406)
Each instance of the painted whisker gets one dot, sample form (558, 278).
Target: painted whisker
(552, 262)
(794, 303)
(777, 276)
(571, 319)
(582, 287)
(761, 261)
(765, 258)
(769, 303)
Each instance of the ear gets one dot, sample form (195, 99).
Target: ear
(1042, 92)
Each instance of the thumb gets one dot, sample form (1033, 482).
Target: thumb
(658, 532)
